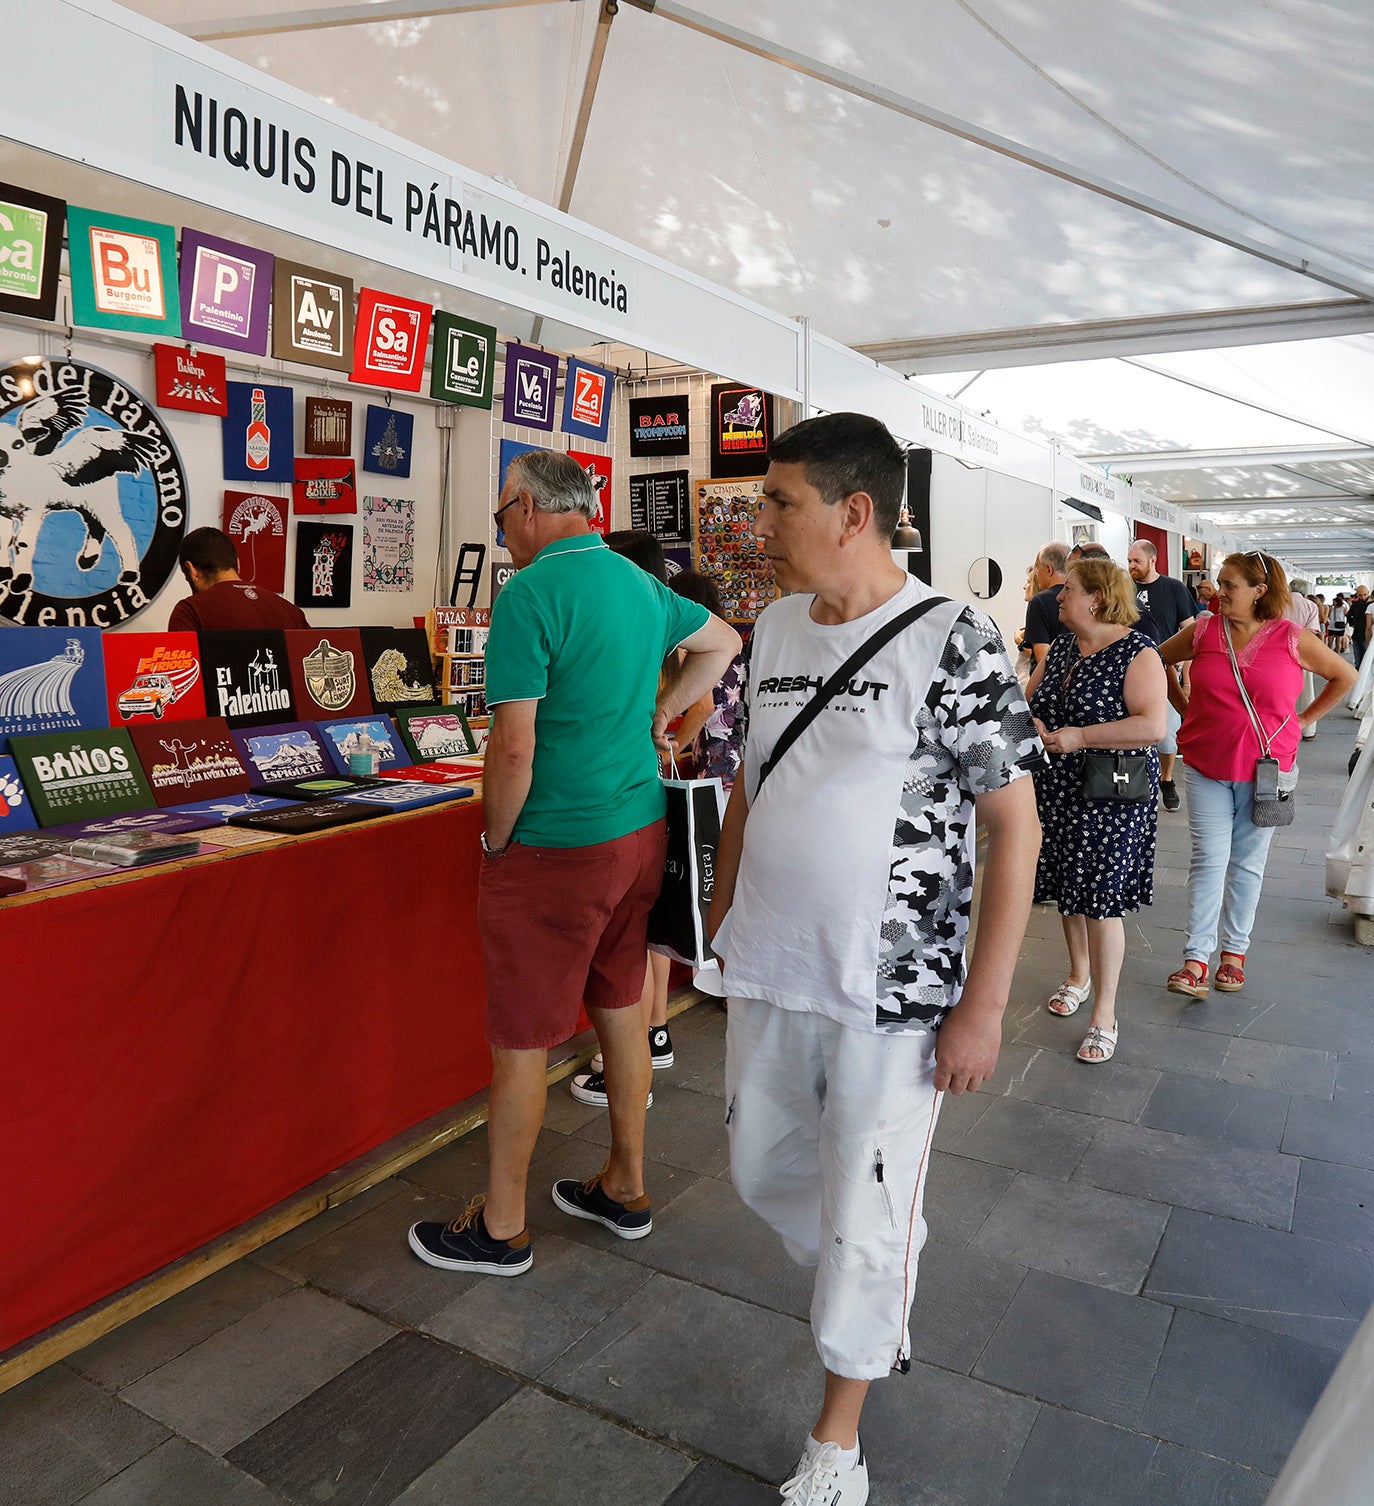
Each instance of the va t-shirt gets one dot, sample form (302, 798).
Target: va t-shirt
(1165, 605)
(234, 606)
(854, 887)
(584, 632)
(1042, 617)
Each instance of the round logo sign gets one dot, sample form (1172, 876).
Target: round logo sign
(92, 496)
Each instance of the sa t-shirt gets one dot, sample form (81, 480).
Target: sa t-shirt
(584, 632)
(856, 878)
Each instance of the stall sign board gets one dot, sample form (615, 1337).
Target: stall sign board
(30, 251)
(324, 564)
(153, 677)
(328, 672)
(365, 734)
(388, 441)
(463, 361)
(325, 486)
(500, 573)
(531, 379)
(390, 340)
(328, 426)
(79, 776)
(16, 810)
(587, 400)
(226, 293)
(123, 272)
(741, 430)
(256, 521)
(190, 760)
(660, 504)
(246, 678)
(90, 465)
(257, 433)
(660, 425)
(399, 669)
(193, 380)
(312, 316)
(288, 750)
(51, 680)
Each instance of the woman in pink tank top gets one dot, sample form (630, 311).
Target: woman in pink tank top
(1220, 745)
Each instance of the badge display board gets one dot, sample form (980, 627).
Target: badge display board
(256, 521)
(328, 426)
(390, 340)
(464, 360)
(30, 251)
(399, 670)
(363, 734)
(328, 672)
(727, 550)
(430, 734)
(246, 677)
(51, 680)
(660, 504)
(259, 444)
(16, 810)
(325, 486)
(324, 564)
(193, 381)
(226, 292)
(531, 379)
(190, 761)
(80, 776)
(124, 272)
(388, 441)
(153, 677)
(290, 750)
(660, 425)
(587, 394)
(312, 316)
(741, 430)
(113, 495)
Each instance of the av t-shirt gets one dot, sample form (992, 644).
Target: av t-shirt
(1165, 605)
(853, 893)
(584, 632)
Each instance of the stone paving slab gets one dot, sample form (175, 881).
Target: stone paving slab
(1335, 1203)
(178, 1473)
(1027, 1137)
(1218, 1111)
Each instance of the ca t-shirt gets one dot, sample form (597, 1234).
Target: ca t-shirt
(1165, 605)
(584, 632)
(854, 887)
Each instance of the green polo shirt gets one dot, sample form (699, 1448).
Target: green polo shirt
(584, 632)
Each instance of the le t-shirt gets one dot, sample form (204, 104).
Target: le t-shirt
(1165, 605)
(1042, 617)
(854, 887)
(585, 632)
(232, 606)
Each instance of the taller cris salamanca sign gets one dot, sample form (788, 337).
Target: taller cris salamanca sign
(92, 496)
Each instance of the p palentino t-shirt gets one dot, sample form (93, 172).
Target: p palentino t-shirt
(853, 893)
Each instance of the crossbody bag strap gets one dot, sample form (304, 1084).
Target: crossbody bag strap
(842, 676)
(1265, 743)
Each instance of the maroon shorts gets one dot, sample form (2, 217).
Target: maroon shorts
(564, 925)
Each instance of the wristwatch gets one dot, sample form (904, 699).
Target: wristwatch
(492, 852)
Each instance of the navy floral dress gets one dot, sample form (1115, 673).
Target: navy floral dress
(1097, 857)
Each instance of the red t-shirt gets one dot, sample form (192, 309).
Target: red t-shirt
(234, 606)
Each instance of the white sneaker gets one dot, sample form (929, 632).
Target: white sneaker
(820, 1479)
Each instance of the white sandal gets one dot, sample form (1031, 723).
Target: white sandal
(1070, 996)
(1100, 1040)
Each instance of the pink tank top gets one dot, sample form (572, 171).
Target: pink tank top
(1217, 739)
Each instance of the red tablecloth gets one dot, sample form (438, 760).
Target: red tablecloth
(184, 1049)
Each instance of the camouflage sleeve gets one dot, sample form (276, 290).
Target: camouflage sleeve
(980, 708)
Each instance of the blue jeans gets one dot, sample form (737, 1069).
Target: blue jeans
(1227, 869)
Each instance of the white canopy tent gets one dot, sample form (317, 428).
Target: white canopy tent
(956, 187)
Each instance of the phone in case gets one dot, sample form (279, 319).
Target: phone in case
(1267, 779)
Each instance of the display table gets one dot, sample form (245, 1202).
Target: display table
(186, 1047)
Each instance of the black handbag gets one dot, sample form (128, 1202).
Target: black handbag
(1108, 774)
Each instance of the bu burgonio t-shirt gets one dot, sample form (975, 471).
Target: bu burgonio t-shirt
(234, 606)
(854, 887)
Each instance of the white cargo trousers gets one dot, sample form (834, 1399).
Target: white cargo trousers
(830, 1132)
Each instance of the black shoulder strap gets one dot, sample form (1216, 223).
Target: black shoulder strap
(841, 678)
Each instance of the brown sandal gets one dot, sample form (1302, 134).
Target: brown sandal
(1230, 978)
(1186, 981)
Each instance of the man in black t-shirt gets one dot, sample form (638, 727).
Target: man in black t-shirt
(1166, 606)
(1358, 613)
(1042, 611)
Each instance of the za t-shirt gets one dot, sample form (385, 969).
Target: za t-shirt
(584, 632)
(1165, 605)
(853, 893)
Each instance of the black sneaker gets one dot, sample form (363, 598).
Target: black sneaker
(590, 1087)
(586, 1200)
(660, 1047)
(465, 1245)
(1168, 793)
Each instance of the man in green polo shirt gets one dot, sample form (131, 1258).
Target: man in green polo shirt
(575, 843)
